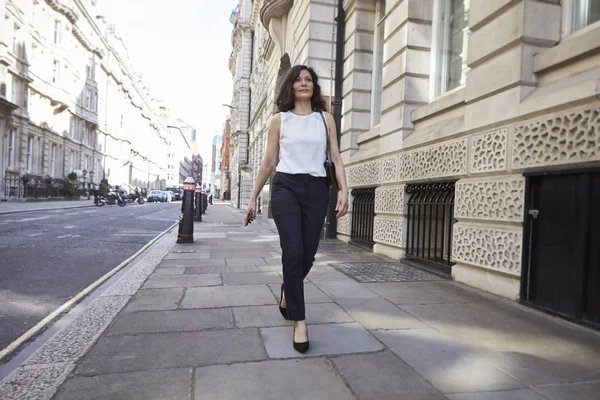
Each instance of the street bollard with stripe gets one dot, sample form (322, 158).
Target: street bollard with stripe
(198, 208)
(186, 221)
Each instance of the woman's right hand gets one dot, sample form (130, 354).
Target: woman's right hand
(250, 212)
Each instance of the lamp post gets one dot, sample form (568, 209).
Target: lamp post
(84, 172)
(91, 183)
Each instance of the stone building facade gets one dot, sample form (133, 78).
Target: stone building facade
(268, 38)
(485, 106)
(69, 100)
(470, 132)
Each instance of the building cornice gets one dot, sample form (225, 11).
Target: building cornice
(274, 9)
(255, 16)
(64, 10)
(86, 43)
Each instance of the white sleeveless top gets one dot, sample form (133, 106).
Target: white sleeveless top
(302, 144)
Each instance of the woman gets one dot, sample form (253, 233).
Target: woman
(296, 145)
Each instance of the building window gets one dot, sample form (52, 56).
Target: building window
(377, 86)
(90, 70)
(57, 26)
(30, 154)
(15, 89)
(584, 13)
(16, 44)
(53, 161)
(88, 99)
(73, 127)
(56, 71)
(11, 149)
(449, 53)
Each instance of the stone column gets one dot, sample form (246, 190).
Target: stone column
(503, 42)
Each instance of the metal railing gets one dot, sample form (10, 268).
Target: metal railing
(363, 215)
(430, 214)
(15, 187)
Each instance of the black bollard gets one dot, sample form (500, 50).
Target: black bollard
(204, 203)
(198, 208)
(186, 222)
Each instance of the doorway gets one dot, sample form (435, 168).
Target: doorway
(561, 271)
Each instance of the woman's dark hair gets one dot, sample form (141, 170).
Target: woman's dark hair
(286, 97)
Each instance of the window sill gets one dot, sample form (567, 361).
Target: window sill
(368, 135)
(575, 46)
(445, 102)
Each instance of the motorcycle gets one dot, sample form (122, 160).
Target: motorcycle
(113, 197)
(136, 196)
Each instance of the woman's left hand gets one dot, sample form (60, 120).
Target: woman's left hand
(342, 205)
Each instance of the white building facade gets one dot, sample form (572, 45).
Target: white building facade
(70, 101)
(470, 133)
(268, 38)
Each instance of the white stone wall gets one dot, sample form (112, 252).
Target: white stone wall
(50, 97)
(529, 102)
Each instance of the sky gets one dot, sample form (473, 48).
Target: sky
(182, 49)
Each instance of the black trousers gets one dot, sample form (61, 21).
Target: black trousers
(299, 206)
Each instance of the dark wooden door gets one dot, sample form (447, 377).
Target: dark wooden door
(592, 301)
(564, 244)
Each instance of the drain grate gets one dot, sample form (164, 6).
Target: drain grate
(385, 272)
(338, 248)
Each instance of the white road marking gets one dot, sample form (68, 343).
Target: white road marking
(32, 219)
(133, 234)
(69, 226)
(36, 234)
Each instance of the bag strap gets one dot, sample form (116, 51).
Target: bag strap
(327, 152)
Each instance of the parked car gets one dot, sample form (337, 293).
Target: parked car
(177, 193)
(156, 195)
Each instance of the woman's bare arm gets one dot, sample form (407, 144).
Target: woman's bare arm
(340, 173)
(266, 167)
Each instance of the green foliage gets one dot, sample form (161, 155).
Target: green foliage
(104, 187)
(70, 188)
(72, 176)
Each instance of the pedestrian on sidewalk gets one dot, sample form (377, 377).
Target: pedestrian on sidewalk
(296, 148)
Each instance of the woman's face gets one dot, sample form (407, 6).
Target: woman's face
(303, 86)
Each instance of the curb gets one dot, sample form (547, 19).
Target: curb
(49, 366)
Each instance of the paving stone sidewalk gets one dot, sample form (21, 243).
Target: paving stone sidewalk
(9, 207)
(205, 325)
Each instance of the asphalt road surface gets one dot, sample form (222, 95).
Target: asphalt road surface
(47, 257)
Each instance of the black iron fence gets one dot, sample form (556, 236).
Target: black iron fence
(363, 214)
(33, 188)
(430, 217)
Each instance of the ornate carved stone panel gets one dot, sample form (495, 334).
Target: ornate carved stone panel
(343, 224)
(561, 139)
(489, 151)
(436, 161)
(389, 200)
(388, 231)
(491, 199)
(364, 174)
(488, 247)
(389, 171)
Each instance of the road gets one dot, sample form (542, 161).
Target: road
(47, 257)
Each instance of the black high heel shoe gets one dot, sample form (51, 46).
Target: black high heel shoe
(282, 310)
(301, 347)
